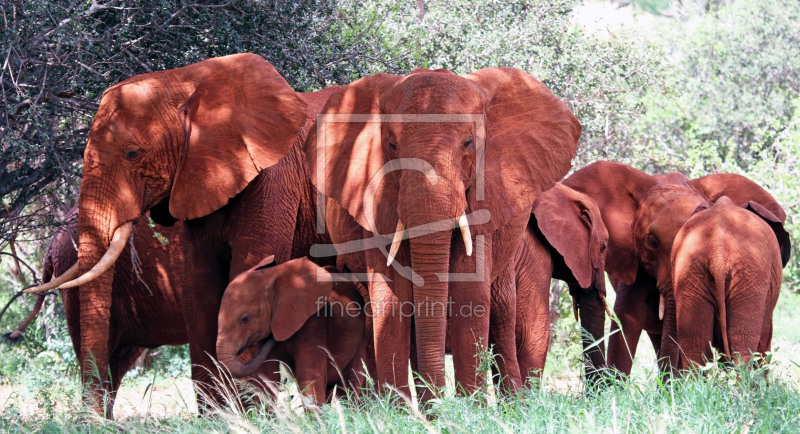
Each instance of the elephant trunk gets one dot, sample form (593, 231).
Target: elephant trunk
(430, 218)
(98, 221)
(592, 316)
(228, 356)
(669, 356)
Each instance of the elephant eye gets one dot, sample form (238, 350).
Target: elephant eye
(131, 154)
(652, 241)
(468, 143)
(393, 146)
(244, 319)
(585, 215)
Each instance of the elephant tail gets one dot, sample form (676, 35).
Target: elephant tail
(722, 283)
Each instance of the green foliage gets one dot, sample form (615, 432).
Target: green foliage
(600, 80)
(732, 101)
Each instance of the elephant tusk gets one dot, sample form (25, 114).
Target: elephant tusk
(118, 242)
(65, 277)
(575, 308)
(399, 233)
(463, 224)
(661, 306)
(605, 305)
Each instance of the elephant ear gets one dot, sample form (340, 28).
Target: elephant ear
(300, 290)
(530, 138)
(616, 189)
(242, 117)
(739, 189)
(784, 242)
(345, 157)
(566, 224)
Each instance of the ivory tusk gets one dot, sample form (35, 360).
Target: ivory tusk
(605, 305)
(66, 276)
(118, 242)
(661, 308)
(396, 240)
(463, 224)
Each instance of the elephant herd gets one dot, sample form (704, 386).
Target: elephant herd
(364, 228)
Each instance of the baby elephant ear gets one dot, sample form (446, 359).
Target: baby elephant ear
(531, 137)
(776, 224)
(242, 117)
(739, 189)
(567, 226)
(300, 290)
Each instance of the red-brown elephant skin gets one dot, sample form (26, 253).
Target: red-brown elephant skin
(145, 304)
(726, 278)
(566, 239)
(412, 178)
(293, 314)
(216, 143)
(643, 213)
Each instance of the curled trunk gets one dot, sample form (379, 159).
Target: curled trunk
(228, 356)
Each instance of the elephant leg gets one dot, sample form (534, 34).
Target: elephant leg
(311, 358)
(744, 307)
(120, 362)
(392, 313)
(470, 304)
(695, 317)
(533, 276)
(205, 279)
(631, 309)
(502, 337)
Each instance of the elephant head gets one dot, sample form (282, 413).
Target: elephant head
(573, 227)
(184, 140)
(268, 304)
(481, 145)
(643, 213)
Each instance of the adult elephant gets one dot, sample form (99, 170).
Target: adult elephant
(198, 143)
(643, 213)
(475, 152)
(146, 295)
(727, 278)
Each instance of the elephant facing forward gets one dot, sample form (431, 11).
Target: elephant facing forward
(419, 169)
(295, 314)
(566, 239)
(726, 278)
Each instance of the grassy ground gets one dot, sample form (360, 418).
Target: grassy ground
(720, 401)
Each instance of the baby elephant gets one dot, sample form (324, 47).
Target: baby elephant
(293, 313)
(727, 264)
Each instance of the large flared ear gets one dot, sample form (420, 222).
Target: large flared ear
(530, 140)
(616, 189)
(784, 242)
(242, 117)
(567, 224)
(300, 290)
(344, 151)
(739, 189)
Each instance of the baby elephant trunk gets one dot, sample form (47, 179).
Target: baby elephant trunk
(229, 356)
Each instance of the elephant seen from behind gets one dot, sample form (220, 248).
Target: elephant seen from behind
(296, 314)
(726, 276)
(643, 213)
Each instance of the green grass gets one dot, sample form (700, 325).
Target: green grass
(720, 401)
(738, 400)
